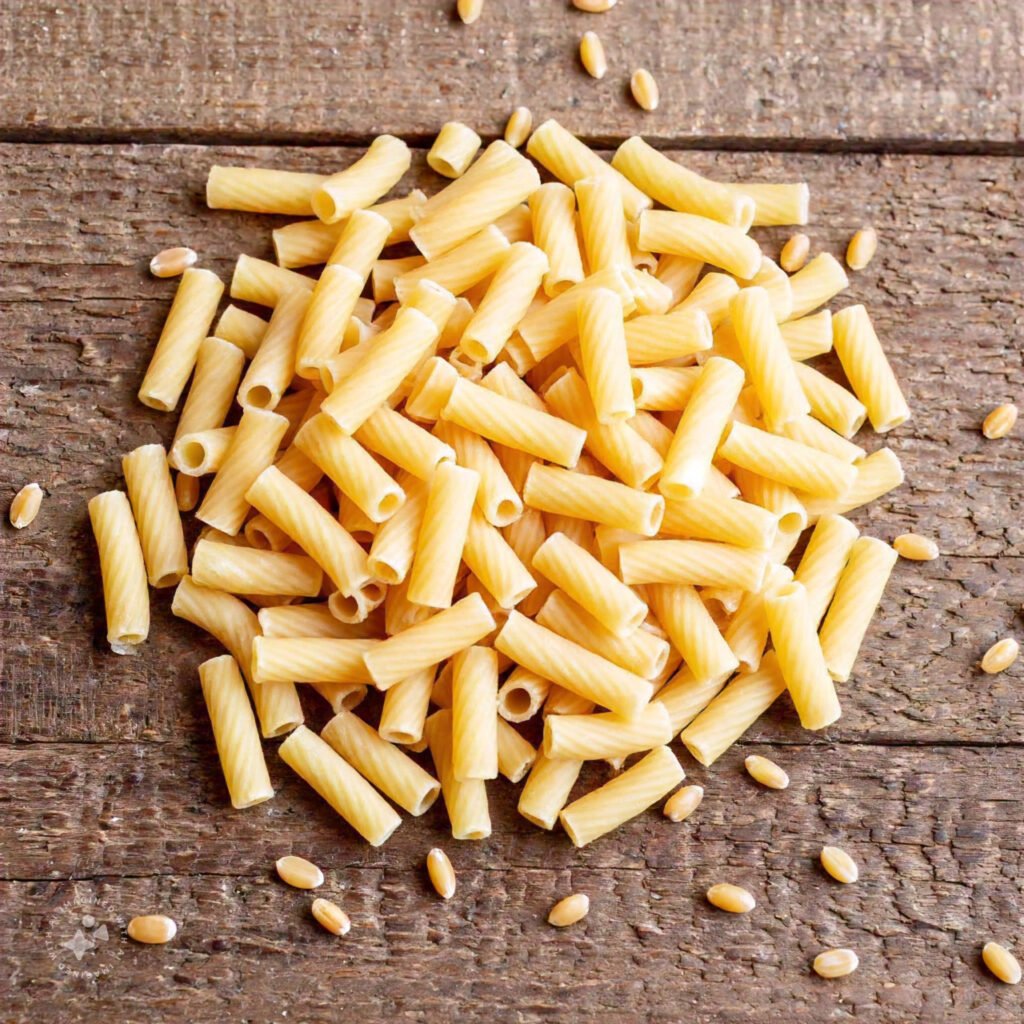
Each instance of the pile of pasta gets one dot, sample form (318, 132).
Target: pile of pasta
(552, 465)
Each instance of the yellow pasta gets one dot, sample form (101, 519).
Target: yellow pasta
(700, 429)
(125, 595)
(496, 498)
(823, 562)
(699, 238)
(747, 630)
(273, 366)
(323, 329)
(651, 296)
(830, 402)
(815, 434)
(857, 595)
(155, 508)
(680, 189)
(261, 190)
(508, 297)
(357, 474)
(218, 370)
(809, 336)
(788, 462)
(867, 368)
(453, 149)
(312, 620)
(187, 324)
(693, 632)
(553, 218)
(546, 327)
(774, 496)
(495, 564)
(475, 714)
(327, 772)
(466, 802)
(235, 732)
(243, 570)
(801, 661)
(734, 711)
(874, 476)
(252, 450)
(386, 272)
(312, 527)
(264, 283)
(686, 696)
(594, 737)
(394, 773)
(513, 424)
(306, 242)
(569, 160)
(394, 354)
(394, 544)
(604, 359)
(490, 188)
(590, 584)
(602, 223)
(359, 245)
(459, 268)
(624, 797)
(816, 283)
(243, 329)
(657, 339)
(442, 535)
(405, 708)
(776, 205)
(430, 641)
(571, 666)
(617, 446)
(516, 754)
(375, 173)
(713, 518)
(522, 695)
(399, 440)
(547, 790)
(699, 563)
(766, 358)
(235, 626)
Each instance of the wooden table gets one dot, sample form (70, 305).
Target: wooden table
(904, 115)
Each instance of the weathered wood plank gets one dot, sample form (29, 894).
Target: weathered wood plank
(80, 315)
(790, 74)
(146, 828)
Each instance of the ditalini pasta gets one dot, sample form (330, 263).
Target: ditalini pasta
(326, 771)
(801, 660)
(603, 355)
(590, 584)
(370, 177)
(253, 447)
(395, 774)
(187, 324)
(624, 797)
(867, 368)
(553, 219)
(235, 732)
(148, 480)
(123, 568)
(475, 714)
(857, 595)
(680, 189)
(560, 439)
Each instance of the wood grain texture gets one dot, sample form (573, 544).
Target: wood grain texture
(81, 316)
(110, 797)
(135, 828)
(794, 74)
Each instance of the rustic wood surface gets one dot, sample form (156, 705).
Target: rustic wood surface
(789, 73)
(111, 802)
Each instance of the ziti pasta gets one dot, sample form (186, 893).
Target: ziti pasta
(508, 453)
